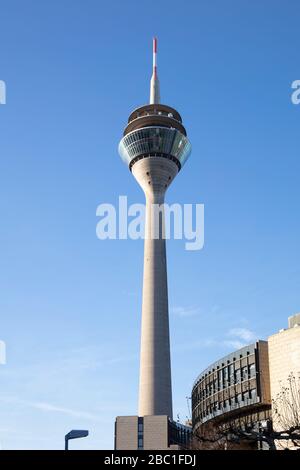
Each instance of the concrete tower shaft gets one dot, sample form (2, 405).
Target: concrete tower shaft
(154, 175)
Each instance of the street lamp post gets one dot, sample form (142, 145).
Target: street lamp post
(74, 434)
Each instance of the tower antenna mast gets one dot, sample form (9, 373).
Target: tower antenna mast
(154, 84)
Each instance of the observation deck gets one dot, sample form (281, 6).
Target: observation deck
(154, 130)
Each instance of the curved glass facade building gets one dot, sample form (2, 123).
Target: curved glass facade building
(237, 384)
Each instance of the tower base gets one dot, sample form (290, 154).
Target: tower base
(155, 432)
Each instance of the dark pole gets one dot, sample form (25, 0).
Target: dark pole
(74, 434)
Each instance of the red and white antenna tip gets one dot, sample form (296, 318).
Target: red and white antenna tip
(154, 45)
(155, 57)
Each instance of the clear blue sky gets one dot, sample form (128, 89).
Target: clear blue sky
(69, 303)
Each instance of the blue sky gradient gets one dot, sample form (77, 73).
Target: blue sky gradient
(70, 304)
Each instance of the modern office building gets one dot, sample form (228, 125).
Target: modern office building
(154, 148)
(244, 386)
(234, 386)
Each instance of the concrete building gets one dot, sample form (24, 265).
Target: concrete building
(234, 386)
(284, 354)
(284, 360)
(157, 432)
(154, 148)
